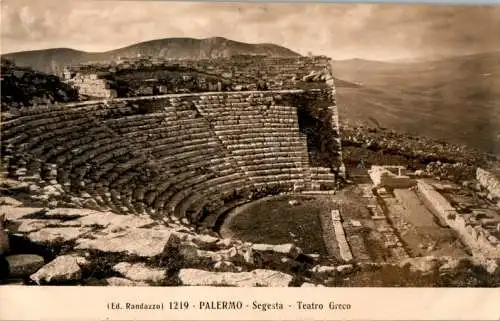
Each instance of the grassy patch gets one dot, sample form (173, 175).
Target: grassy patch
(275, 221)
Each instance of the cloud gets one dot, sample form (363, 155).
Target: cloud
(339, 30)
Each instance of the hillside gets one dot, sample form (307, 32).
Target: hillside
(455, 99)
(187, 48)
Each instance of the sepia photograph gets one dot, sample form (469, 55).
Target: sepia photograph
(238, 144)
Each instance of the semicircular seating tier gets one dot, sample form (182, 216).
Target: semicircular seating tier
(184, 157)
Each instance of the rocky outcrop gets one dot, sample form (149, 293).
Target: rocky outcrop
(133, 250)
(384, 146)
(133, 241)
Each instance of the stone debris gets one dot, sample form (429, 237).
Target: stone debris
(450, 264)
(345, 250)
(356, 223)
(192, 256)
(322, 270)
(224, 243)
(425, 265)
(140, 272)
(259, 277)
(314, 256)
(288, 249)
(225, 266)
(419, 172)
(34, 188)
(491, 266)
(205, 242)
(345, 269)
(310, 285)
(116, 281)
(263, 247)
(62, 268)
(383, 177)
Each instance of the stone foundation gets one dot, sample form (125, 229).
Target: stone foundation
(478, 239)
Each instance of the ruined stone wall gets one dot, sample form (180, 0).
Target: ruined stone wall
(244, 73)
(383, 177)
(278, 73)
(479, 239)
(93, 87)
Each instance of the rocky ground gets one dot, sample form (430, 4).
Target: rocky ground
(435, 158)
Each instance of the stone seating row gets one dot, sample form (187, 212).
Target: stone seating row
(264, 146)
(250, 131)
(70, 110)
(35, 138)
(257, 139)
(192, 206)
(170, 200)
(28, 114)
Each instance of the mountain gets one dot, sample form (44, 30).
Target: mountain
(48, 60)
(456, 99)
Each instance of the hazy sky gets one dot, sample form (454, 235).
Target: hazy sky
(338, 30)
